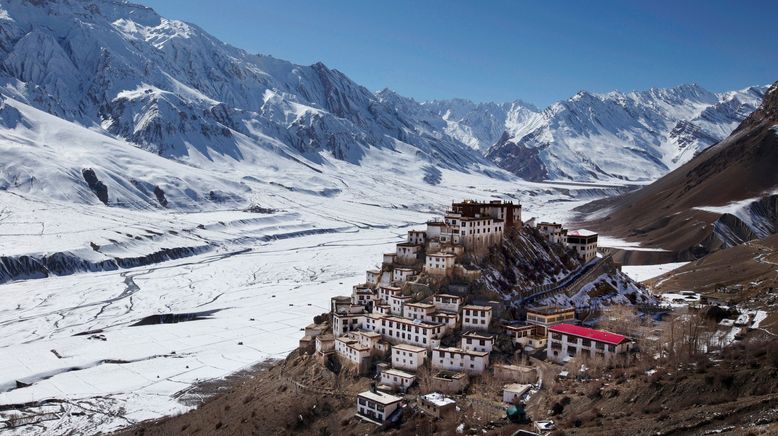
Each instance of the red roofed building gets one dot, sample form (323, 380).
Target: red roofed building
(566, 341)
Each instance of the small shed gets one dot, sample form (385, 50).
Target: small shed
(514, 391)
(437, 405)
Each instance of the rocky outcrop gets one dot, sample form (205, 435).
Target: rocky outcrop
(65, 263)
(97, 187)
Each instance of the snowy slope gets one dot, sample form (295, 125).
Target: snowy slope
(626, 136)
(480, 125)
(171, 88)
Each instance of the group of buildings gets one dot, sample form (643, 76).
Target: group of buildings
(582, 242)
(381, 321)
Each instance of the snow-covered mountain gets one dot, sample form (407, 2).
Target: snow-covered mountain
(123, 75)
(480, 125)
(173, 89)
(627, 136)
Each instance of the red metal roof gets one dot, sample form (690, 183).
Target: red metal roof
(587, 333)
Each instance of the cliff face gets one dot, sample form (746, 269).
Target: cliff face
(525, 260)
(527, 269)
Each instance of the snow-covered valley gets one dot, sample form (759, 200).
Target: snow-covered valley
(241, 295)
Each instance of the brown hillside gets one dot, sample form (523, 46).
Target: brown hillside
(663, 214)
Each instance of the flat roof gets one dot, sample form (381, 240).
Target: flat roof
(587, 333)
(447, 296)
(546, 223)
(438, 399)
(379, 397)
(352, 343)
(517, 387)
(476, 335)
(401, 297)
(408, 347)
(391, 288)
(550, 310)
(408, 244)
(581, 232)
(473, 306)
(461, 351)
(328, 337)
(416, 322)
(420, 304)
(398, 373)
(441, 255)
(475, 218)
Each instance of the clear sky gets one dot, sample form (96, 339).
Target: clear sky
(538, 51)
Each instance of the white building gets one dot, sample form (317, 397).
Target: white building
(343, 323)
(435, 229)
(457, 359)
(361, 295)
(325, 344)
(408, 357)
(385, 292)
(553, 232)
(376, 406)
(398, 302)
(401, 275)
(447, 302)
(382, 308)
(471, 341)
(476, 317)
(389, 258)
(422, 311)
(449, 319)
(371, 340)
(405, 331)
(372, 277)
(407, 253)
(528, 335)
(418, 237)
(397, 379)
(514, 391)
(584, 243)
(349, 350)
(440, 263)
(341, 304)
(566, 341)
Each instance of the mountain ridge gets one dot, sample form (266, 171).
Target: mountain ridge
(726, 195)
(171, 88)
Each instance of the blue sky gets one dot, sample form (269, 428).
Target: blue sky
(502, 50)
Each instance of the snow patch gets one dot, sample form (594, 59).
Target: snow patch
(641, 273)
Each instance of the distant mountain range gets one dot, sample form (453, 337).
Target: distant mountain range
(726, 195)
(626, 136)
(168, 87)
